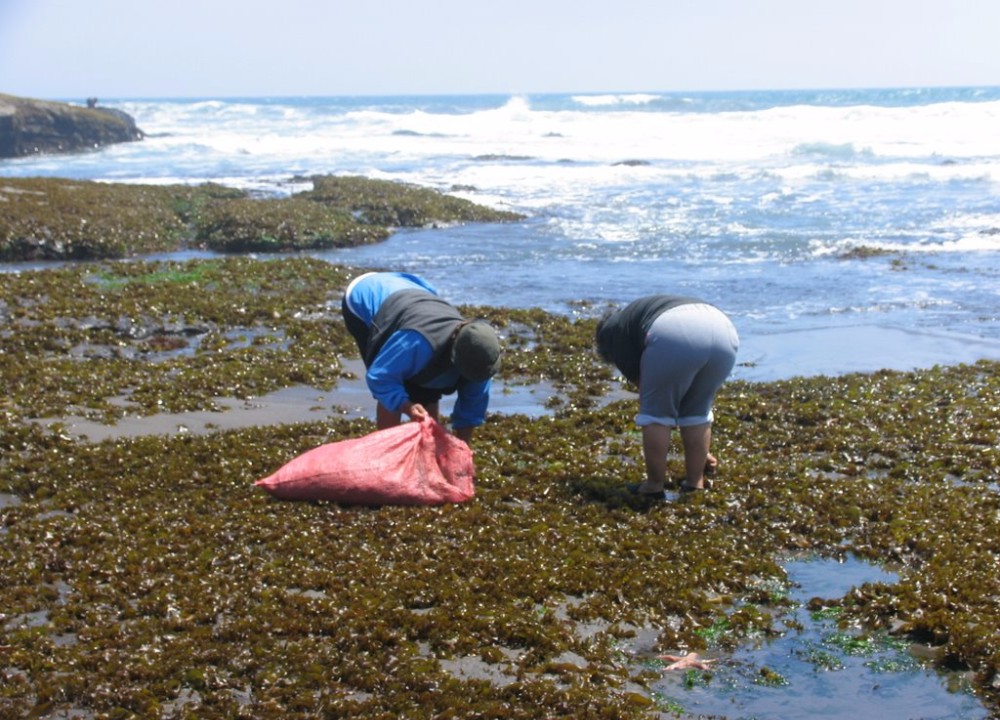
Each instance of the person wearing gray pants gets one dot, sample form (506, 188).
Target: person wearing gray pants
(679, 351)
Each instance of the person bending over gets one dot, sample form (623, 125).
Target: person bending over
(679, 351)
(417, 348)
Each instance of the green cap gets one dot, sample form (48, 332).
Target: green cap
(476, 351)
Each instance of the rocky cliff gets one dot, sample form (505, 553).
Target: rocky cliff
(28, 126)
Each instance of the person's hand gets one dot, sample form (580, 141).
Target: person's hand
(417, 411)
(691, 660)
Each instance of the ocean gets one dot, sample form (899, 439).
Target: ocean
(842, 230)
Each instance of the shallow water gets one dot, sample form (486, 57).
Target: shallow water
(811, 316)
(820, 671)
(816, 219)
(351, 399)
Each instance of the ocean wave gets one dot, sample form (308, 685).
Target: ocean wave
(769, 203)
(840, 151)
(612, 128)
(984, 240)
(615, 99)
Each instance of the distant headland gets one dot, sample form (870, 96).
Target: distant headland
(32, 127)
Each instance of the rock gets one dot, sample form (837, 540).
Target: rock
(29, 127)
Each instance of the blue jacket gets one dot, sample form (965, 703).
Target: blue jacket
(407, 353)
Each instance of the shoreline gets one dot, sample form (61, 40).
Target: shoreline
(835, 351)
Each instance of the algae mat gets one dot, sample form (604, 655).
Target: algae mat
(146, 577)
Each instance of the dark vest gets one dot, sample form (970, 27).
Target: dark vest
(424, 313)
(623, 335)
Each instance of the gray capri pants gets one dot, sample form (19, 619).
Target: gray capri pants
(690, 351)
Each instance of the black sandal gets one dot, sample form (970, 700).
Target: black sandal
(633, 489)
(687, 489)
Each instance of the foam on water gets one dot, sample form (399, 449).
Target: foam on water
(767, 203)
(590, 133)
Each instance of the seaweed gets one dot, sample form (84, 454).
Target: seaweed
(280, 225)
(377, 202)
(148, 577)
(59, 219)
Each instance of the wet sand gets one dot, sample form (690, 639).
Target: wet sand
(861, 348)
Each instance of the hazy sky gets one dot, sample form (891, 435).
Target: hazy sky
(70, 49)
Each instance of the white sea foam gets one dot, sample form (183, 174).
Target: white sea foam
(953, 140)
(920, 242)
(615, 99)
(758, 202)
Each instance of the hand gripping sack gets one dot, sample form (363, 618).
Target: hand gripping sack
(416, 463)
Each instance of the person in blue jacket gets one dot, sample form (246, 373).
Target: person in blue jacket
(679, 351)
(417, 348)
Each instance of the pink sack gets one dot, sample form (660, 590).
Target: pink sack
(416, 463)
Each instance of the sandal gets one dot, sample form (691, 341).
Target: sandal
(685, 489)
(633, 489)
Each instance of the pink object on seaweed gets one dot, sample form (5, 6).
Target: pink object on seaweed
(416, 463)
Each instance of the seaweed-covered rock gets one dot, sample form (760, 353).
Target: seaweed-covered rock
(31, 127)
(378, 202)
(60, 219)
(57, 219)
(281, 225)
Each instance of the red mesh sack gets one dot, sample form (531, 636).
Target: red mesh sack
(416, 463)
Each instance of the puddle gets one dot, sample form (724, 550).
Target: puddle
(351, 399)
(820, 671)
(8, 500)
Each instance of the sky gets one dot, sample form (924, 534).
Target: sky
(71, 49)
